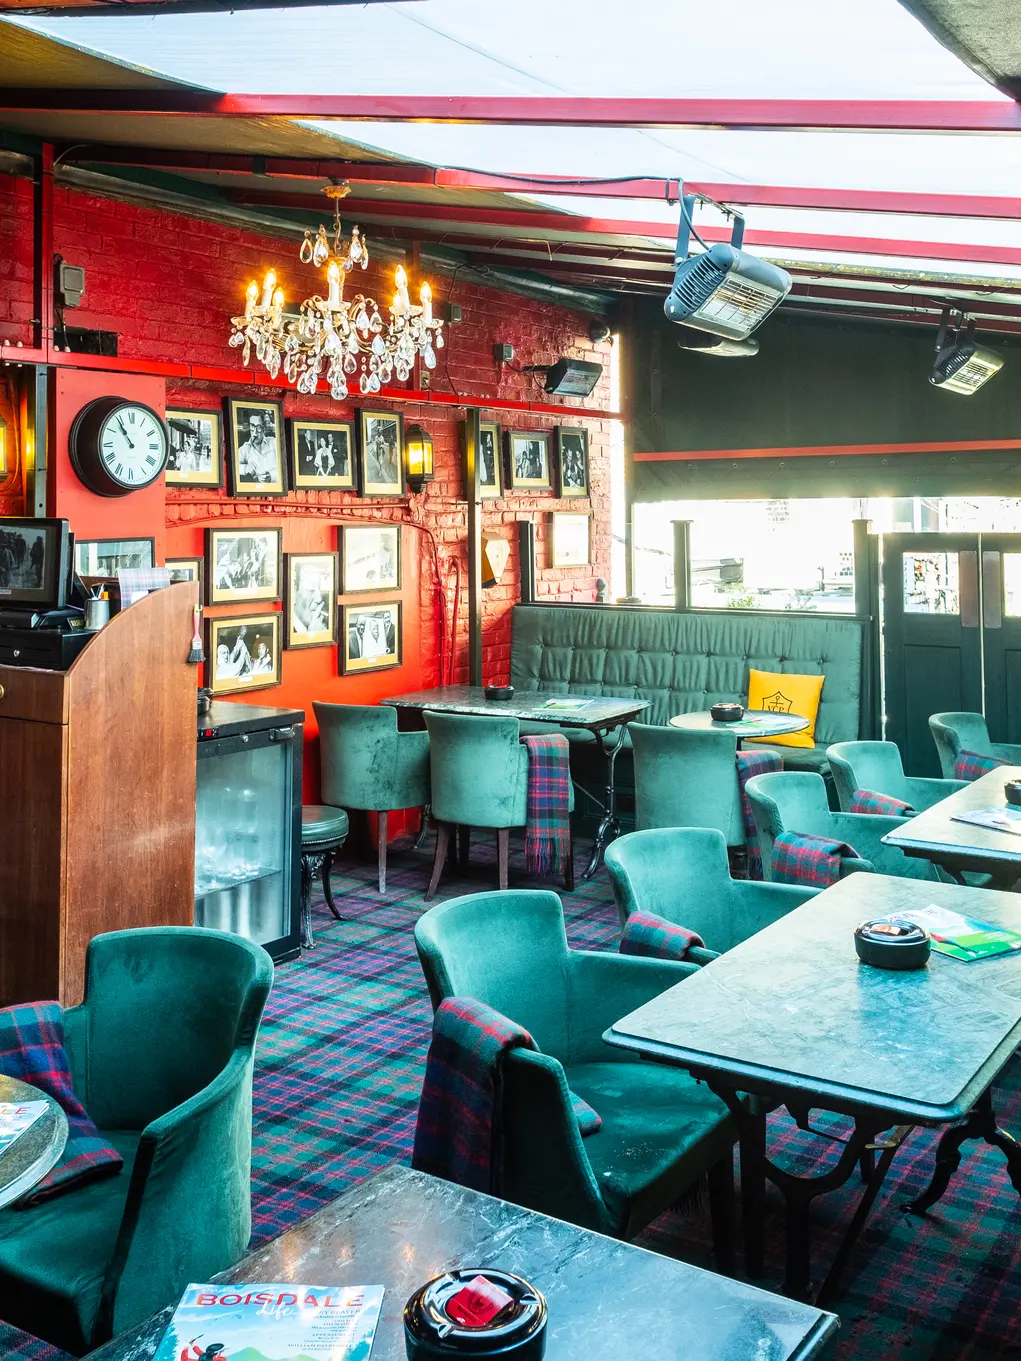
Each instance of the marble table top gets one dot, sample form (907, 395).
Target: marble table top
(792, 1009)
(593, 711)
(756, 723)
(607, 1300)
(934, 831)
(24, 1163)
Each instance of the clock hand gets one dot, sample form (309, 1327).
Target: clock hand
(125, 433)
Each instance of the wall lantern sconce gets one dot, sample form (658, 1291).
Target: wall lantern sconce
(418, 457)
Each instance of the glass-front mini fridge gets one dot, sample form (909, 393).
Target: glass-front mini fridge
(248, 824)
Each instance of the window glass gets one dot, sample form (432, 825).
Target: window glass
(1012, 584)
(930, 583)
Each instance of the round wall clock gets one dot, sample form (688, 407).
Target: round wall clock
(117, 446)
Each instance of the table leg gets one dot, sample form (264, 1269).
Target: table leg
(609, 827)
(753, 1189)
(980, 1123)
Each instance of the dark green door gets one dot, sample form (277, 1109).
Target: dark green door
(1001, 634)
(932, 639)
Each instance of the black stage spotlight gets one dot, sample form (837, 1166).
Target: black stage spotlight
(961, 365)
(724, 290)
(568, 377)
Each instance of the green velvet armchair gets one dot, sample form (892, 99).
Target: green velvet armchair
(479, 776)
(795, 801)
(877, 766)
(369, 766)
(161, 1053)
(661, 1130)
(686, 779)
(683, 874)
(957, 732)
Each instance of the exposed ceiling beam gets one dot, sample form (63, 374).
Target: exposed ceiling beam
(860, 200)
(879, 115)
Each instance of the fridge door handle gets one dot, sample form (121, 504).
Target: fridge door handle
(282, 735)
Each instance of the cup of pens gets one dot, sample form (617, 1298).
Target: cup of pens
(97, 611)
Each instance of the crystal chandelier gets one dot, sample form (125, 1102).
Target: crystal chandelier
(331, 335)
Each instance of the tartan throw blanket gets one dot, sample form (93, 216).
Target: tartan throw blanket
(811, 861)
(868, 801)
(647, 934)
(548, 826)
(751, 763)
(458, 1132)
(969, 765)
(32, 1050)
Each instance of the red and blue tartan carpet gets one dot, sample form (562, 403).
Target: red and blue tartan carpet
(339, 1070)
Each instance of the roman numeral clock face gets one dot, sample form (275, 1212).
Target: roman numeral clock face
(118, 446)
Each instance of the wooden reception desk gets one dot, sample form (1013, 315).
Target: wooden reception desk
(97, 820)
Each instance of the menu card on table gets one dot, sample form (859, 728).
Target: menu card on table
(996, 819)
(960, 937)
(15, 1118)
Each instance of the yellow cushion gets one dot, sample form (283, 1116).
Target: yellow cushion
(786, 694)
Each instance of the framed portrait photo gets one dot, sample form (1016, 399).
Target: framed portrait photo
(572, 461)
(185, 569)
(370, 637)
(490, 471)
(310, 600)
(243, 652)
(381, 453)
(370, 557)
(255, 434)
(196, 449)
(322, 455)
(243, 565)
(528, 460)
(569, 539)
(105, 557)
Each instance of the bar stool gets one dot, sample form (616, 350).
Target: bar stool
(323, 832)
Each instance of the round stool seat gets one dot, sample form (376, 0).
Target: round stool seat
(320, 822)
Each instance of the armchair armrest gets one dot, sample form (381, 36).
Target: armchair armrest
(925, 792)
(602, 988)
(1007, 751)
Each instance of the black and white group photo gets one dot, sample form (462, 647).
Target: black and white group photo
(573, 461)
(243, 564)
(371, 637)
(196, 449)
(529, 459)
(22, 560)
(256, 446)
(321, 454)
(311, 610)
(382, 454)
(245, 653)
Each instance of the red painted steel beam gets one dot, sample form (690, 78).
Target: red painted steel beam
(859, 200)
(877, 115)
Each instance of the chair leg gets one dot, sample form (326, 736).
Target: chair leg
(464, 838)
(328, 859)
(569, 867)
(721, 1208)
(442, 842)
(502, 851)
(381, 821)
(423, 828)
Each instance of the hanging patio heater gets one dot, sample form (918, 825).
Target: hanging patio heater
(724, 290)
(962, 364)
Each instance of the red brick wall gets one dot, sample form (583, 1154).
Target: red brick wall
(167, 284)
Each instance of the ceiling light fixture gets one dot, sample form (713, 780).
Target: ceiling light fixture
(724, 290)
(962, 365)
(334, 337)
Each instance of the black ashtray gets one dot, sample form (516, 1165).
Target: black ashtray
(475, 1312)
(1012, 793)
(726, 713)
(499, 692)
(892, 944)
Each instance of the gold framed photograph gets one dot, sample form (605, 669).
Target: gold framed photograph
(310, 600)
(370, 637)
(185, 569)
(243, 565)
(322, 455)
(528, 460)
(255, 431)
(244, 653)
(381, 453)
(572, 461)
(371, 558)
(195, 442)
(569, 539)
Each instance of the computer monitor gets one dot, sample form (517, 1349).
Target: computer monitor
(35, 558)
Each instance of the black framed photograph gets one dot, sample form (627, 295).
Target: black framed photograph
(243, 652)
(195, 442)
(322, 455)
(370, 557)
(243, 565)
(569, 539)
(255, 431)
(370, 637)
(105, 557)
(490, 471)
(185, 569)
(310, 600)
(381, 453)
(572, 461)
(528, 460)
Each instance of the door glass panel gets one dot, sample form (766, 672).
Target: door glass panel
(930, 583)
(1012, 584)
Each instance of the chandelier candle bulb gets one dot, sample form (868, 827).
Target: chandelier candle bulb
(251, 298)
(335, 278)
(268, 285)
(427, 303)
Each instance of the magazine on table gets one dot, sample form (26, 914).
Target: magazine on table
(960, 937)
(280, 1322)
(15, 1118)
(996, 819)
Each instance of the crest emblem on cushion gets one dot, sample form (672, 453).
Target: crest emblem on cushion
(777, 703)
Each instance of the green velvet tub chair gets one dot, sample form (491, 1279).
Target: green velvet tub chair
(686, 779)
(479, 775)
(877, 766)
(957, 732)
(683, 874)
(161, 1053)
(795, 801)
(661, 1130)
(368, 766)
